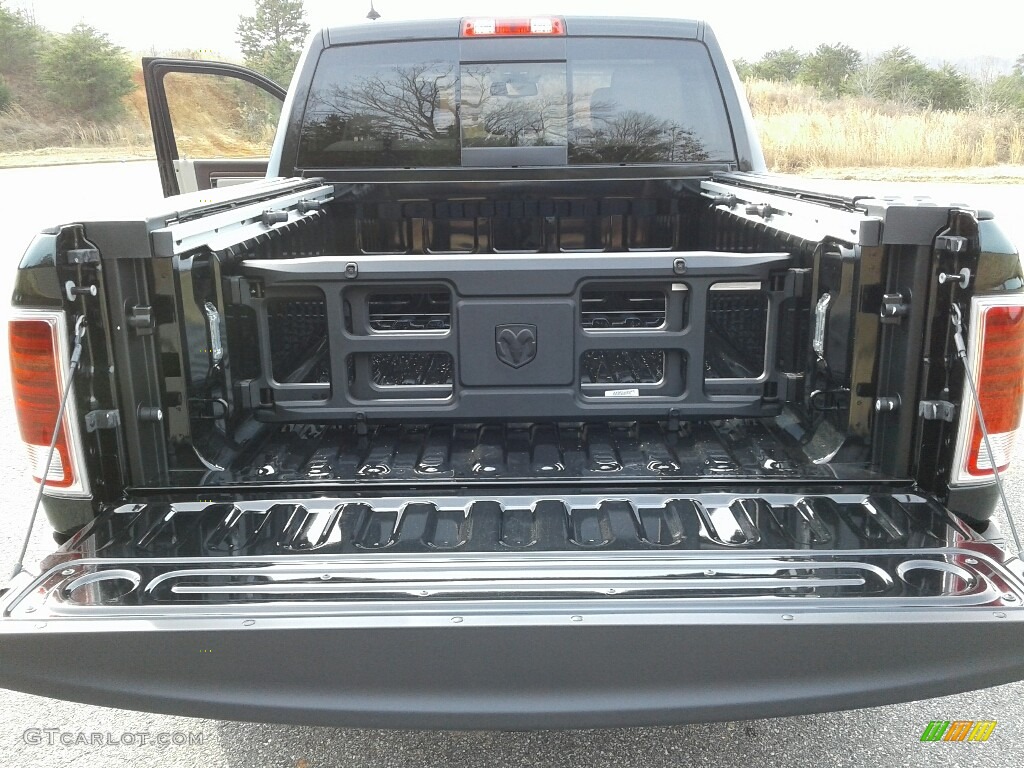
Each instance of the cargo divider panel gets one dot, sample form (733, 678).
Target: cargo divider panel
(572, 337)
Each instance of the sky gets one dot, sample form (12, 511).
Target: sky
(939, 30)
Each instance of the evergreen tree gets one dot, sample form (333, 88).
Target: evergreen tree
(272, 39)
(830, 68)
(781, 66)
(84, 73)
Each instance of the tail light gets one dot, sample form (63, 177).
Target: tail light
(545, 26)
(39, 361)
(996, 357)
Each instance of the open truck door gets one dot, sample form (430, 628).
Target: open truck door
(213, 123)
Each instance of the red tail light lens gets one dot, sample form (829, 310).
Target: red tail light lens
(39, 355)
(491, 27)
(996, 357)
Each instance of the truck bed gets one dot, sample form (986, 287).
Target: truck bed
(631, 453)
(373, 339)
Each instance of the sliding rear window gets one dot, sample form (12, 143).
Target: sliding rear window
(387, 105)
(612, 101)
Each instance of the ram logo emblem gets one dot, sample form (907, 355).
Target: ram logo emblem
(516, 345)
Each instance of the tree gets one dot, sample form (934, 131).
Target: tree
(5, 95)
(1018, 66)
(830, 69)
(19, 42)
(782, 65)
(987, 69)
(84, 73)
(1008, 92)
(902, 78)
(949, 89)
(271, 39)
(743, 68)
(899, 77)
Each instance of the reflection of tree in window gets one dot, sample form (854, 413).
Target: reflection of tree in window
(633, 136)
(513, 121)
(517, 105)
(399, 116)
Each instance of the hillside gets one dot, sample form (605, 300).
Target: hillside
(212, 116)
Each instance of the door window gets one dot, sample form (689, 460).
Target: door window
(214, 116)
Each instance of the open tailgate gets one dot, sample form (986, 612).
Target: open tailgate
(502, 613)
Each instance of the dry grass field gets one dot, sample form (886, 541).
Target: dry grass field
(801, 131)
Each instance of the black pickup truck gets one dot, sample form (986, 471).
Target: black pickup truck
(516, 395)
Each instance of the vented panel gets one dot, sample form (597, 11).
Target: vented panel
(411, 369)
(412, 311)
(735, 330)
(298, 335)
(622, 366)
(622, 310)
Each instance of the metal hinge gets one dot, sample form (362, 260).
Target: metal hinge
(936, 410)
(102, 420)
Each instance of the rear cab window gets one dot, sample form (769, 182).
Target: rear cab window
(598, 101)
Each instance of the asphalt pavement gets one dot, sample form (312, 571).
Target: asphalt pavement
(36, 731)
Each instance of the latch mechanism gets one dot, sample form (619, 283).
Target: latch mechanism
(894, 308)
(102, 420)
(936, 410)
(951, 243)
(140, 318)
(83, 256)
